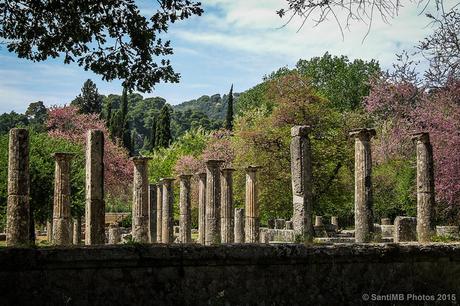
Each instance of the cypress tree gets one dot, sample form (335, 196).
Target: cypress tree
(127, 138)
(89, 101)
(229, 118)
(163, 128)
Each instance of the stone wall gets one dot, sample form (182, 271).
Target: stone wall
(233, 274)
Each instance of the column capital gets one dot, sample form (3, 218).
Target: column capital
(300, 130)
(363, 133)
(421, 136)
(214, 162)
(139, 159)
(184, 176)
(227, 170)
(201, 174)
(252, 168)
(63, 155)
(167, 180)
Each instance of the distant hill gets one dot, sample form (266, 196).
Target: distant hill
(215, 106)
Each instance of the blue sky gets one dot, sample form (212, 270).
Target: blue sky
(235, 41)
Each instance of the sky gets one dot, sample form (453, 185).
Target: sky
(234, 42)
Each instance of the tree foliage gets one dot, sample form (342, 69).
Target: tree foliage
(89, 101)
(229, 117)
(112, 38)
(163, 128)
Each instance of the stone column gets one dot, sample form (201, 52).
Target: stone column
(18, 207)
(62, 221)
(49, 231)
(201, 207)
(425, 186)
(301, 171)
(239, 225)
(167, 234)
(363, 184)
(226, 220)
(95, 205)
(159, 209)
(185, 202)
(318, 220)
(152, 213)
(114, 234)
(77, 230)
(212, 230)
(252, 220)
(140, 223)
(335, 221)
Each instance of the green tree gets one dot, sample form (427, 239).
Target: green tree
(89, 101)
(36, 114)
(112, 38)
(229, 118)
(11, 120)
(341, 81)
(163, 129)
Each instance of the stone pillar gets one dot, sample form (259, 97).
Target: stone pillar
(280, 223)
(239, 225)
(251, 225)
(318, 220)
(425, 186)
(77, 230)
(114, 234)
(201, 207)
(301, 171)
(185, 202)
(212, 231)
(62, 221)
(95, 205)
(385, 221)
(226, 220)
(289, 225)
(152, 213)
(159, 210)
(167, 218)
(405, 229)
(335, 221)
(140, 223)
(18, 207)
(49, 231)
(363, 184)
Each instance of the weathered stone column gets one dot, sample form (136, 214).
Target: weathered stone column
(152, 213)
(252, 220)
(212, 230)
(114, 234)
(95, 205)
(239, 225)
(62, 221)
(425, 186)
(77, 230)
(159, 209)
(201, 207)
(226, 220)
(335, 221)
(185, 202)
(167, 235)
(140, 223)
(363, 184)
(318, 220)
(18, 207)
(301, 171)
(49, 230)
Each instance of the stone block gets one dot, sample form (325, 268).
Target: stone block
(405, 229)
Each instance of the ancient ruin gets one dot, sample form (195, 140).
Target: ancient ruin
(226, 220)
(140, 222)
(185, 203)
(212, 231)
(201, 207)
(167, 216)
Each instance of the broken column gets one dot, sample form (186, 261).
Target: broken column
(114, 234)
(167, 218)
(49, 230)
(405, 229)
(425, 186)
(62, 222)
(212, 231)
(301, 170)
(318, 220)
(152, 213)
(363, 184)
(185, 202)
(159, 210)
(239, 225)
(140, 225)
(251, 225)
(201, 207)
(18, 207)
(226, 220)
(76, 239)
(335, 221)
(95, 205)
